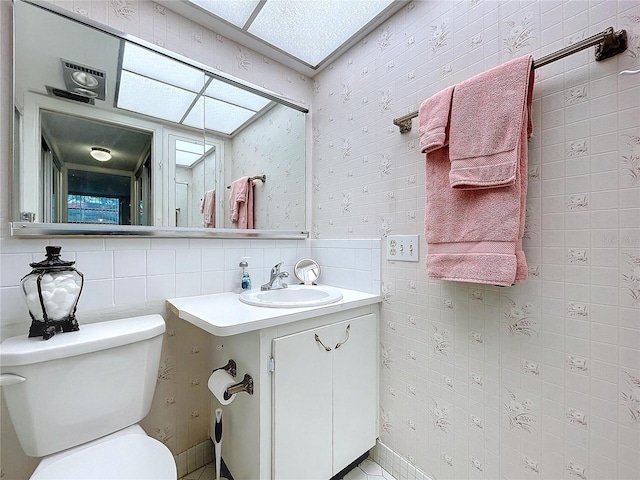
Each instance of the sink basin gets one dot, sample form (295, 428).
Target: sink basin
(295, 296)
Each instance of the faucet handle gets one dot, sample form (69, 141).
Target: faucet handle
(275, 270)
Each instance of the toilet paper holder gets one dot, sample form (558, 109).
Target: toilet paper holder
(246, 385)
(230, 368)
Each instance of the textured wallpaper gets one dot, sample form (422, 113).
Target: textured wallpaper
(274, 146)
(534, 381)
(540, 380)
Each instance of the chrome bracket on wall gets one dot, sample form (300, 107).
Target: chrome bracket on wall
(404, 123)
(230, 368)
(246, 385)
(612, 44)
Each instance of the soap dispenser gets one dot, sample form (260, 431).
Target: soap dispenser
(244, 278)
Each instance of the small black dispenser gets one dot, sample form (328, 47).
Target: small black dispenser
(52, 291)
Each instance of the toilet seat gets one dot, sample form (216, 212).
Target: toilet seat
(125, 455)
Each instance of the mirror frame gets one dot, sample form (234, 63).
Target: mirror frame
(26, 228)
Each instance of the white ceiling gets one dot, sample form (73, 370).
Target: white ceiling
(303, 34)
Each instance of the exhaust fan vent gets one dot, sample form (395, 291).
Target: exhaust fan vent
(56, 92)
(84, 80)
(80, 68)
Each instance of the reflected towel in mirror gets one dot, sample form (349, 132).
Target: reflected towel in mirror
(241, 203)
(208, 209)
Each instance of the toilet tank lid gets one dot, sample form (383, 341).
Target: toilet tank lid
(91, 337)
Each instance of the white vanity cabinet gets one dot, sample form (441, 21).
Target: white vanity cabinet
(324, 398)
(313, 410)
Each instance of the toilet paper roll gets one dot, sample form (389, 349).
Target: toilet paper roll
(218, 383)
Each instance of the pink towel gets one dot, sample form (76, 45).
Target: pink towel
(241, 203)
(473, 235)
(208, 209)
(433, 120)
(488, 114)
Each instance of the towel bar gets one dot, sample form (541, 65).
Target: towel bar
(262, 178)
(608, 43)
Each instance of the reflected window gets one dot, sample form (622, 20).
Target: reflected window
(71, 173)
(90, 209)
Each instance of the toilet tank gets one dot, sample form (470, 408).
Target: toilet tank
(81, 385)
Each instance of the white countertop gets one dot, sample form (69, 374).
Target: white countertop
(223, 314)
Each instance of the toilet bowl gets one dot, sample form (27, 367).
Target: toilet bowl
(126, 454)
(76, 399)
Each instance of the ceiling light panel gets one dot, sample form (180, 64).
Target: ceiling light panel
(312, 30)
(195, 118)
(150, 97)
(150, 64)
(224, 117)
(236, 12)
(188, 153)
(186, 159)
(237, 96)
(192, 147)
(213, 114)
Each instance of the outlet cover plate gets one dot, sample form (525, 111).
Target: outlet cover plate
(403, 248)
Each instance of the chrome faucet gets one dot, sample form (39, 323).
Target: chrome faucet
(276, 282)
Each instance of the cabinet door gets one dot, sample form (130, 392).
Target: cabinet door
(355, 389)
(302, 430)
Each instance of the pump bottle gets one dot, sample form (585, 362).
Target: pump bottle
(244, 280)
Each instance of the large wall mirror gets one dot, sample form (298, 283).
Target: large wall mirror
(115, 136)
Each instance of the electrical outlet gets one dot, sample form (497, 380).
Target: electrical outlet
(403, 248)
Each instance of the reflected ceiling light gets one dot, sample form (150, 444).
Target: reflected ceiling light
(188, 153)
(101, 154)
(84, 79)
(161, 87)
(153, 65)
(154, 98)
(84, 92)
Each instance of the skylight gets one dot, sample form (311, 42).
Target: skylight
(310, 31)
(188, 153)
(158, 86)
(236, 11)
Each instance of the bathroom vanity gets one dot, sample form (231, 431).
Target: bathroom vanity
(315, 370)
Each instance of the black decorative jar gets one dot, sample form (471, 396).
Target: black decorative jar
(52, 291)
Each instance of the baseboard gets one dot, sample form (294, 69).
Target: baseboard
(194, 458)
(399, 467)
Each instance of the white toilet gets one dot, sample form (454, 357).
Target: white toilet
(75, 400)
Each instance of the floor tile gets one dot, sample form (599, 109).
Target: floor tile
(370, 467)
(209, 473)
(195, 475)
(356, 474)
(367, 470)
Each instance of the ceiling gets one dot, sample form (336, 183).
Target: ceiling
(302, 34)
(71, 139)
